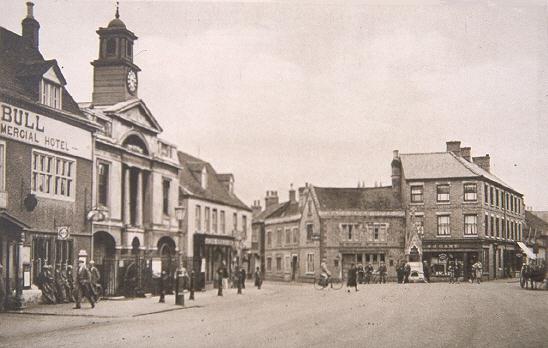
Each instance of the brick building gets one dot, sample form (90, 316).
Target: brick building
(46, 164)
(351, 225)
(282, 238)
(460, 208)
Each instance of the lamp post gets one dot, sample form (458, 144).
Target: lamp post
(180, 213)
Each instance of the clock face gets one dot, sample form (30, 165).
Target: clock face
(131, 81)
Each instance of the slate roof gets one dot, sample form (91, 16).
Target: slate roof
(286, 209)
(190, 182)
(265, 214)
(357, 199)
(443, 165)
(542, 215)
(21, 68)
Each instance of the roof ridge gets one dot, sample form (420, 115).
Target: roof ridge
(424, 153)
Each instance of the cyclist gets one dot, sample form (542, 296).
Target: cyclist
(325, 274)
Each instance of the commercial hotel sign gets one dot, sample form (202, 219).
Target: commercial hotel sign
(38, 130)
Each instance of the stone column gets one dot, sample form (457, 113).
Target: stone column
(139, 200)
(127, 205)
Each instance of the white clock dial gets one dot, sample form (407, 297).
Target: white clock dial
(131, 81)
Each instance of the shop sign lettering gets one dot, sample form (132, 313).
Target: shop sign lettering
(218, 241)
(38, 130)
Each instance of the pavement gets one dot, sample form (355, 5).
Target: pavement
(492, 314)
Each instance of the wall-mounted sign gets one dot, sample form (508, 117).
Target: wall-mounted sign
(219, 241)
(39, 130)
(63, 232)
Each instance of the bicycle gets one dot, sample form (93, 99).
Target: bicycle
(321, 283)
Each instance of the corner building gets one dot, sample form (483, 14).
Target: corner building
(461, 210)
(46, 163)
(136, 172)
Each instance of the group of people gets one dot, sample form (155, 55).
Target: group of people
(403, 271)
(238, 278)
(59, 286)
(360, 274)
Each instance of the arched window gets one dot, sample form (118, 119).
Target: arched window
(111, 47)
(135, 144)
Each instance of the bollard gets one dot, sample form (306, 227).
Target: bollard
(179, 295)
(191, 297)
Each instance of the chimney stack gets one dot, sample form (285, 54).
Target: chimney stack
(30, 27)
(292, 195)
(454, 147)
(256, 208)
(484, 162)
(396, 173)
(271, 199)
(466, 153)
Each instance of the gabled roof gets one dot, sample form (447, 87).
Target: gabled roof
(286, 209)
(443, 165)
(356, 199)
(265, 214)
(21, 68)
(533, 218)
(541, 214)
(190, 182)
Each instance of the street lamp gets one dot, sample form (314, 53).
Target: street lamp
(180, 213)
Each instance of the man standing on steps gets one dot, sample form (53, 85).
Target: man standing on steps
(83, 281)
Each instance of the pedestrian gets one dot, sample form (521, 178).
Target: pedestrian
(46, 283)
(225, 276)
(361, 273)
(258, 278)
(382, 273)
(352, 278)
(221, 272)
(2, 289)
(368, 273)
(244, 275)
(67, 282)
(60, 285)
(399, 272)
(406, 272)
(451, 272)
(426, 271)
(456, 270)
(478, 271)
(95, 278)
(83, 281)
(162, 282)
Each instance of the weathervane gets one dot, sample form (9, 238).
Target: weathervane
(117, 15)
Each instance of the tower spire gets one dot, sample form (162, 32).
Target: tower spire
(117, 15)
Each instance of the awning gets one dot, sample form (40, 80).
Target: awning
(527, 251)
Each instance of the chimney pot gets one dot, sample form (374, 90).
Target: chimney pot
(396, 154)
(30, 10)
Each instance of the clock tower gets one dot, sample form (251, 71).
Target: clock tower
(114, 73)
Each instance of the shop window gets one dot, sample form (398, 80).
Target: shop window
(52, 175)
(198, 221)
(278, 264)
(310, 263)
(417, 193)
(269, 264)
(442, 193)
(470, 192)
(470, 225)
(102, 183)
(444, 225)
(309, 231)
(51, 94)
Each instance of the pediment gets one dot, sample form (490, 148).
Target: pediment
(137, 113)
(53, 76)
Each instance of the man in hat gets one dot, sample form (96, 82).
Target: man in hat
(95, 278)
(382, 273)
(60, 285)
(83, 281)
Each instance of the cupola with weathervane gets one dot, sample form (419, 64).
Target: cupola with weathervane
(114, 73)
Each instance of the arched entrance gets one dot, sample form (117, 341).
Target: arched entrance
(104, 255)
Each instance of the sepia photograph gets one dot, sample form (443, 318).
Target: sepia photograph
(261, 173)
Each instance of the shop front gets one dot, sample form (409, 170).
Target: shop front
(210, 251)
(440, 255)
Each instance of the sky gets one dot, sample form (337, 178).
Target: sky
(290, 92)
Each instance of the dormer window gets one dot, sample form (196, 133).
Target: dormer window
(50, 94)
(204, 179)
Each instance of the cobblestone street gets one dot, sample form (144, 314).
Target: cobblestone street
(282, 315)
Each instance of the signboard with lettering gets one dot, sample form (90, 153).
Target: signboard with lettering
(219, 241)
(48, 133)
